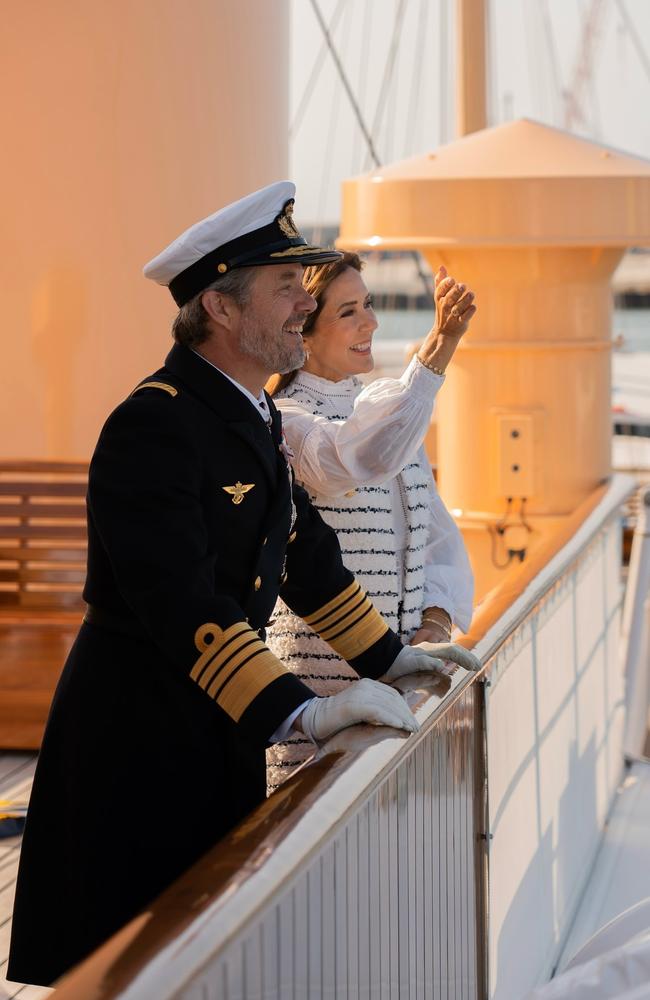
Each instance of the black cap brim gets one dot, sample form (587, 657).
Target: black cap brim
(296, 255)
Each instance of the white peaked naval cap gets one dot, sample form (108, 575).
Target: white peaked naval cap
(256, 230)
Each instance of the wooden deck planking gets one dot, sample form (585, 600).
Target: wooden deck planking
(33, 654)
(16, 773)
(12, 763)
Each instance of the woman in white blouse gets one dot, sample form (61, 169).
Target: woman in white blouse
(359, 453)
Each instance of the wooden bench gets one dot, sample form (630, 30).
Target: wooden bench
(42, 570)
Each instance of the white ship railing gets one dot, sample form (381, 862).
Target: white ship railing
(366, 876)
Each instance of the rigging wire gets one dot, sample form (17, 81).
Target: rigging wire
(366, 31)
(314, 75)
(387, 78)
(582, 81)
(551, 48)
(634, 36)
(388, 127)
(416, 79)
(621, 52)
(346, 84)
(535, 77)
(424, 277)
(330, 143)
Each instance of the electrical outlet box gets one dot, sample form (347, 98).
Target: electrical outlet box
(515, 454)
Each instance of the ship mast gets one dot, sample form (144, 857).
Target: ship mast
(471, 35)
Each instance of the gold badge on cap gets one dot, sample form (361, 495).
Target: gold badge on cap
(238, 491)
(285, 220)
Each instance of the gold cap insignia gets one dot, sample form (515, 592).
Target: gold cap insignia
(285, 220)
(238, 491)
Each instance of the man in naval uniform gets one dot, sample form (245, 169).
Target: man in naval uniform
(154, 748)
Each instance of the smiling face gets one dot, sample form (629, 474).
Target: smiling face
(270, 332)
(340, 342)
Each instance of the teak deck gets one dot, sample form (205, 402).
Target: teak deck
(42, 567)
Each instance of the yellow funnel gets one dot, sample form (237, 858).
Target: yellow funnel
(535, 220)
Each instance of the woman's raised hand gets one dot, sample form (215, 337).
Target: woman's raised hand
(454, 305)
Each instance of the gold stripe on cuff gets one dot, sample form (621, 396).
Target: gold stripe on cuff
(210, 640)
(335, 608)
(360, 637)
(353, 612)
(234, 666)
(230, 665)
(244, 640)
(249, 681)
(350, 623)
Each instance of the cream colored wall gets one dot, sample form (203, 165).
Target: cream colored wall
(122, 123)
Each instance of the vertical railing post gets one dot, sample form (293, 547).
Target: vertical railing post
(635, 635)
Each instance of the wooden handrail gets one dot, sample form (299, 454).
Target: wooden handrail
(207, 888)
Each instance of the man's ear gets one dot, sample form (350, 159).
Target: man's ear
(221, 308)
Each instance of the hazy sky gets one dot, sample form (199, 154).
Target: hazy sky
(539, 50)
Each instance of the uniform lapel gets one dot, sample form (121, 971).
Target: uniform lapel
(225, 399)
(276, 420)
(284, 472)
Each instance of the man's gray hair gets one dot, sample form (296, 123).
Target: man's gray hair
(191, 326)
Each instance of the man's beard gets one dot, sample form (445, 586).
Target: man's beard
(280, 353)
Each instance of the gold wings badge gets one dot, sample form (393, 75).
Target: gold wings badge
(238, 491)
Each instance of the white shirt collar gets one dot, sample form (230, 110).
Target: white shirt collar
(258, 402)
(326, 385)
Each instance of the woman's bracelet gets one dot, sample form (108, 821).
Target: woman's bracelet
(432, 368)
(439, 617)
(443, 625)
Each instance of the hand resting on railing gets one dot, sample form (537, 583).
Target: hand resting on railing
(427, 657)
(364, 701)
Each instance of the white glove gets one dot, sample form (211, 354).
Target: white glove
(364, 700)
(426, 657)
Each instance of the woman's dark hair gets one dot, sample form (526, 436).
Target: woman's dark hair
(316, 280)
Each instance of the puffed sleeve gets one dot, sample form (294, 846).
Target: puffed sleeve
(449, 581)
(382, 435)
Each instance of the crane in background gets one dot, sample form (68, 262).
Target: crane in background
(580, 88)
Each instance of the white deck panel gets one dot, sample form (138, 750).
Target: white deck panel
(554, 762)
(16, 773)
(621, 874)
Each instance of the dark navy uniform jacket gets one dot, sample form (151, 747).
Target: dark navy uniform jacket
(154, 748)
